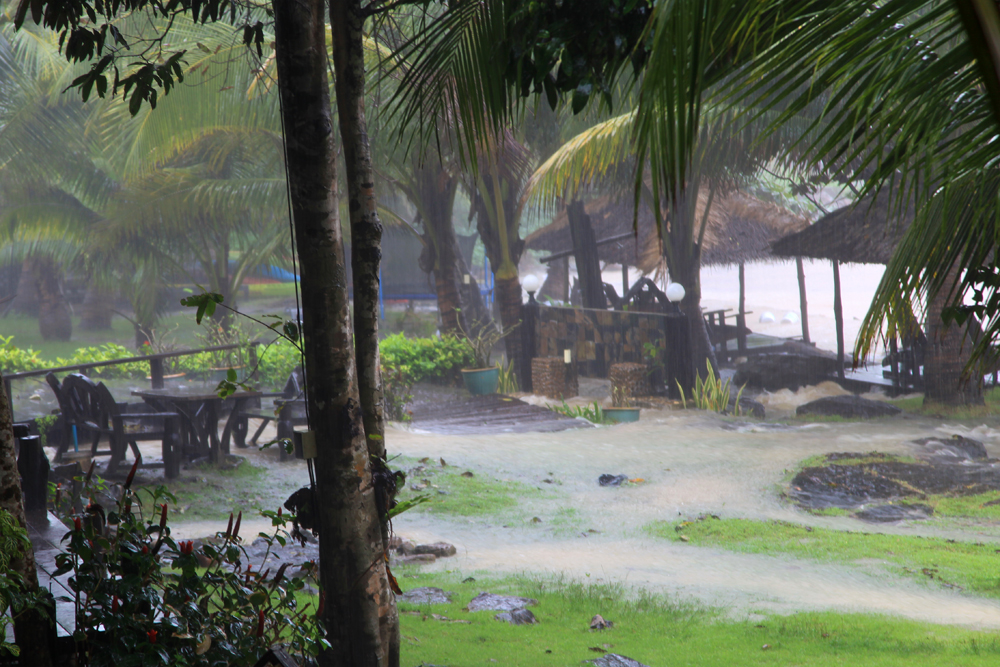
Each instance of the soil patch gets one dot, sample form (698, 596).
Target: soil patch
(873, 481)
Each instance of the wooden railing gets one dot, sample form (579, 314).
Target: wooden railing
(155, 364)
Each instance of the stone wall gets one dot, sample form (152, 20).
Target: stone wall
(600, 338)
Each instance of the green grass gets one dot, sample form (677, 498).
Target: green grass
(916, 405)
(207, 493)
(972, 566)
(180, 328)
(478, 496)
(659, 631)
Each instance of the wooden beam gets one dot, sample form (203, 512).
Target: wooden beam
(569, 253)
(803, 306)
(838, 313)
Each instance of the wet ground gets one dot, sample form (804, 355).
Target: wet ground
(692, 463)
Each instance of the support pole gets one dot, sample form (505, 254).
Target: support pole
(741, 315)
(838, 313)
(803, 306)
(624, 279)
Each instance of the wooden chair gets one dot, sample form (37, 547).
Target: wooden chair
(91, 408)
(288, 412)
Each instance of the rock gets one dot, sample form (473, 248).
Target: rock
(439, 549)
(405, 548)
(598, 623)
(612, 480)
(395, 542)
(416, 558)
(615, 660)
(426, 595)
(956, 446)
(517, 617)
(798, 366)
(849, 406)
(490, 602)
(748, 406)
(889, 513)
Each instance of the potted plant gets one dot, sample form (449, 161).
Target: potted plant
(484, 378)
(622, 410)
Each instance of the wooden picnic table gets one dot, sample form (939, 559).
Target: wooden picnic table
(199, 413)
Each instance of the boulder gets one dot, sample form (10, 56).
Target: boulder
(416, 558)
(439, 549)
(490, 602)
(426, 595)
(748, 406)
(517, 617)
(849, 406)
(956, 446)
(791, 369)
(889, 513)
(615, 660)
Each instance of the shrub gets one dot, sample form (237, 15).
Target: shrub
(107, 352)
(15, 360)
(434, 359)
(131, 609)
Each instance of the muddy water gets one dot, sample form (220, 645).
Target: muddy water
(693, 463)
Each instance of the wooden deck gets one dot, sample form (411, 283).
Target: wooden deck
(489, 414)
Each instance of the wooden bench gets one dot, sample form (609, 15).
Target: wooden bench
(90, 408)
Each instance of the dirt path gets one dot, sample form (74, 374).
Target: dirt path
(693, 463)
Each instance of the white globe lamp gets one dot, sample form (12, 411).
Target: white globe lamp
(530, 283)
(675, 292)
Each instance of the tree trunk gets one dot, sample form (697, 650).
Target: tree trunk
(473, 306)
(437, 197)
(97, 309)
(54, 321)
(347, 23)
(556, 285)
(26, 299)
(588, 266)
(949, 349)
(508, 291)
(352, 565)
(30, 630)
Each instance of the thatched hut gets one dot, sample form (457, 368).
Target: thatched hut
(863, 233)
(740, 230)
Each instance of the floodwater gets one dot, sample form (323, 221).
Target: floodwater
(693, 463)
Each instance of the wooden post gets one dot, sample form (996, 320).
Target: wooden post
(588, 266)
(156, 372)
(838, 313)
(741, 315)
(624, 280)
(803, 306)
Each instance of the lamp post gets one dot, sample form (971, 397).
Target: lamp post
(675, 294)
(678, 347)
(529, 315)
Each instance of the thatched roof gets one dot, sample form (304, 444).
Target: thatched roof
(740, 229)
(862, 233)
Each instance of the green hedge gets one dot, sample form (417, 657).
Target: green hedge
(434, 359)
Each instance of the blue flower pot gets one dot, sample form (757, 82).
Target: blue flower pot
(622, 415)
(481, 381)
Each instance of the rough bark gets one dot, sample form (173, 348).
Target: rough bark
(347, 24)
(26, 299)
(473, 306)
(30, 630)
(96, 310)
(352, 566)
(949, 349)
(54, 321)
(437, 197)
(556, 285)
